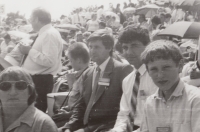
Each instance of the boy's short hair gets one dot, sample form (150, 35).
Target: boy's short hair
(79, 50)
(161, 49)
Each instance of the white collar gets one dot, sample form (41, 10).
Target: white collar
(44, 28)
(142, 69)
(104, 64)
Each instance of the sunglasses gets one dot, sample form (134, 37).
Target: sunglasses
(19, 85)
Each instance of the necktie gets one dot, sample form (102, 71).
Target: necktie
(134, 100)
(25, 56)
(94, 90)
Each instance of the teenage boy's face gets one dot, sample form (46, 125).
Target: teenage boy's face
(132, 51)
(164, 73)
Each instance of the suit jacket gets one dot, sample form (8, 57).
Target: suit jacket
(107, 100)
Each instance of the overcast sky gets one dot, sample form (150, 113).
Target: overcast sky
(56, 7)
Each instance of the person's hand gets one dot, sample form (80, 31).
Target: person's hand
(195, 74)
(60, 129)
(67, 130)
(62, 115)
(79, 130)
(24, 49)
(66, 108)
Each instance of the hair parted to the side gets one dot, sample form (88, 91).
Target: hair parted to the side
(42, 14)
(161, 49)
(106, 38)
(79, 50)
(17, 73)
(132, 33)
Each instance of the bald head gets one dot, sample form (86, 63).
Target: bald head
(42, 14)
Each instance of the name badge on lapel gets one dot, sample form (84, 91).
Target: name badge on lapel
(163, 129)
(104, 81)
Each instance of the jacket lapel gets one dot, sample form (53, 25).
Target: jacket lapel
(88, 84)
(107, 74)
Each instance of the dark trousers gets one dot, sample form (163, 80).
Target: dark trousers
(43, 86)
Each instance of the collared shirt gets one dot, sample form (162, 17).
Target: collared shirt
(46, 53)
(93, 25)
(180, 113)
(102, 67)
(32, 120)
(146, 88)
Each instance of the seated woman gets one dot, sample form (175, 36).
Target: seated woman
(17, 111)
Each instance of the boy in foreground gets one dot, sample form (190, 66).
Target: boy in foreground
(175, 107)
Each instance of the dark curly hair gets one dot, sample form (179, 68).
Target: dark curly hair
(133, 33)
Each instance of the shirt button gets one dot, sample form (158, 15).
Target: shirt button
(167, 106)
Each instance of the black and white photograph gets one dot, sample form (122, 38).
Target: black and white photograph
(99, 66)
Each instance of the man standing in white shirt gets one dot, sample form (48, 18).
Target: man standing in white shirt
(43, 56)
(134, 40)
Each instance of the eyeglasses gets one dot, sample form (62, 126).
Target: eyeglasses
(19, 85)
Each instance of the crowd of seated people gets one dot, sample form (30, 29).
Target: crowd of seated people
(117, 76)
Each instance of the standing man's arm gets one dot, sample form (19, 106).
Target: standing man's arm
(51, 48)
(195, 118)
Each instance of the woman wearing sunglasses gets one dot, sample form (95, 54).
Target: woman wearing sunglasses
(17, 110)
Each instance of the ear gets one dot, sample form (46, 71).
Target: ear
(180, 65)
(36, 20)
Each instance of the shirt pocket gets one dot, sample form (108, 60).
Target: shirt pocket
(142, 95)
(181, 126)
